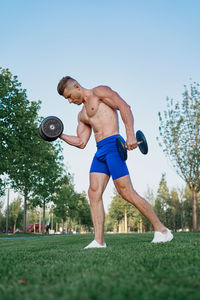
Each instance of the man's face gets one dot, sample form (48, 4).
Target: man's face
(73, 95)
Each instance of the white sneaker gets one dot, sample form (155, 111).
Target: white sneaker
(95, 244)
(160, 237)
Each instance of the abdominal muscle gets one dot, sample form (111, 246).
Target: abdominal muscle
(104, 122)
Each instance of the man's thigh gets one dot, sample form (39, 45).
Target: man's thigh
(124, 187)
(98, 182)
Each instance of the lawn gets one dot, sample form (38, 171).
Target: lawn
(57, 267)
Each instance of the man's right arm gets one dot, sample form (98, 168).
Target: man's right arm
(112, 99)
(83, 135)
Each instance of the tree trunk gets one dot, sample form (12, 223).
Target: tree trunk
(125, 221)
(175, 224)
(14, 228)
(40, 227)
(140, 225)
(25, 214)
(182, 219)
(7, 211)
(195, 211)
(43, 224)
(63, 225)
(120, 227)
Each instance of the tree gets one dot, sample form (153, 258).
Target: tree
(175, 209)
(30, 163)
(180, 134)
(2, 185)
(65, 200)
(2, 218)
(162, 198)
(82, 211)
(109, 223)
(18, 117)
(121, 210)
(47, 178)
(8, 88)
(181, 196)
(149, 196)
(15, 209)
(33, 217)
(187, 208)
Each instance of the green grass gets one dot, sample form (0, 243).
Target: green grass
(131, 267)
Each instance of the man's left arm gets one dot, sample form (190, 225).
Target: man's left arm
(112, 99)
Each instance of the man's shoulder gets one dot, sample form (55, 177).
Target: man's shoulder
(101, 89)
(82, 116)
(81, 113)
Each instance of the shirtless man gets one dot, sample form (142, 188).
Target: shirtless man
(99, 113)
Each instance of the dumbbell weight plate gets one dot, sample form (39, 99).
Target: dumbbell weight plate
(121, 147)
(51, 128)
(142, 144)
(42, 135)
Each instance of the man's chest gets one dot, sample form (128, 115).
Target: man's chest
(91, 108)
(96, 111)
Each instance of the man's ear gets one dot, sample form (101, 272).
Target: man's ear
(76, 86)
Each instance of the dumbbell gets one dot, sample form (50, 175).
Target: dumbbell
(141, 141)
(51, 128)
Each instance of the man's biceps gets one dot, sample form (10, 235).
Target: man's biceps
(83, 128)
(88, 129)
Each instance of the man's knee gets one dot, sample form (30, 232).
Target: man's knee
(94, 193)
(123, 191)
(124, 188)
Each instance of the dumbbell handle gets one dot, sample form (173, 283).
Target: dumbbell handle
(140, 142)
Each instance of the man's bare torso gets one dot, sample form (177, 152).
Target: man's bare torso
(102, 118)
(99, 112)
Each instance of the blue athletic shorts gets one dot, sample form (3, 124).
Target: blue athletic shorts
(107, 159)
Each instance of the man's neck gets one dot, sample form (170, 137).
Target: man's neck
(86, 94)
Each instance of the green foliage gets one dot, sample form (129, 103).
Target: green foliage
(32, 165)
(187, 208)
(2, 186)
(18, 119)
(71, 205)
(33, 216)
(47, 174)
(119, 208)
(174, 209)
(15, 213)
(65, 200)
(2, 218)
(82, 211)
(162, 199)
(180, 135)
